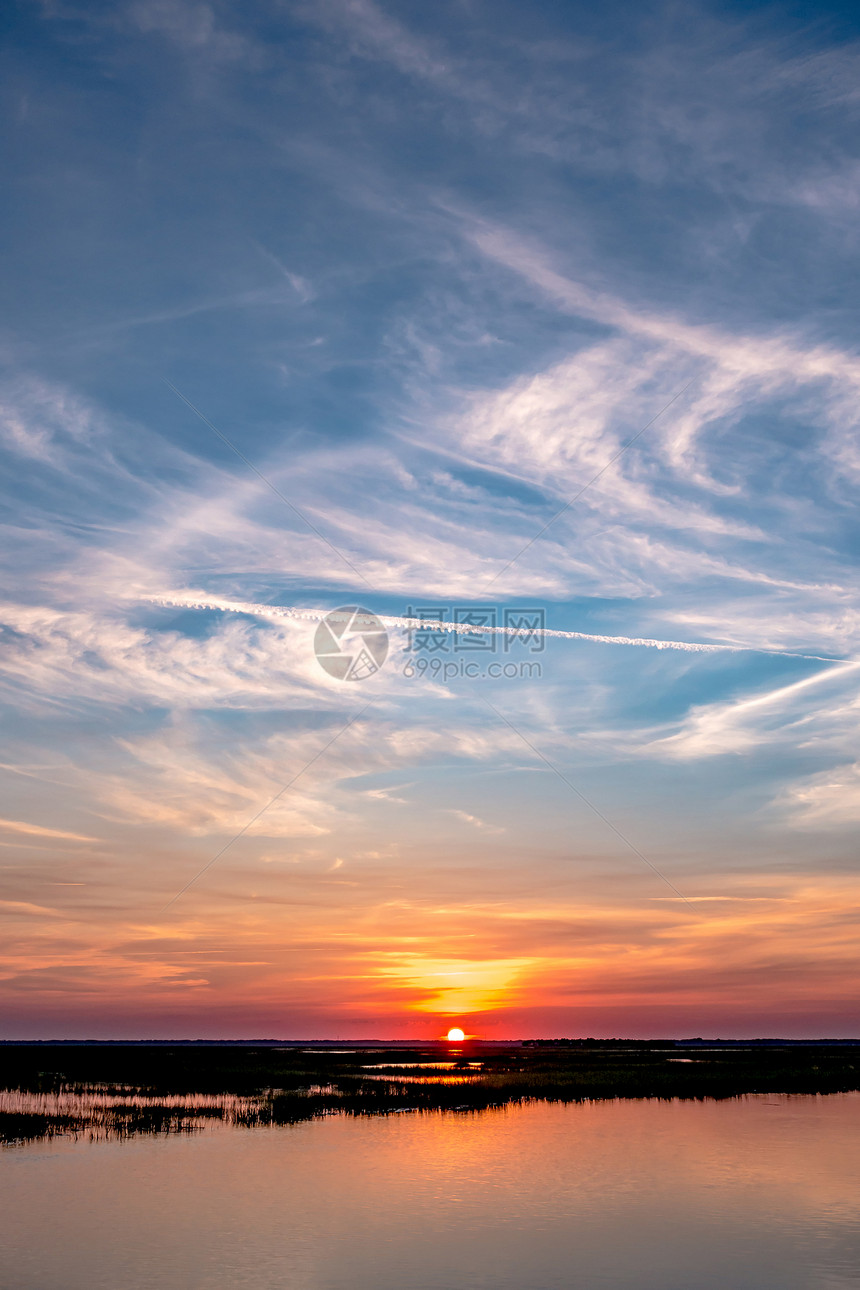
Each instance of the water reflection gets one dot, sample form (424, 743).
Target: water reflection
(634, 1195)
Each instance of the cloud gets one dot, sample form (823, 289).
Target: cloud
(828, 799)
(172, 780)
(474, 821)
(742, 725)
(63, 657)
(195, 29)
(455, 987)
(41, 420)
(729, 367)
(38, 830)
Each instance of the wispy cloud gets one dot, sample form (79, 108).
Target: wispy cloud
(38, 830)
(748, 723)
(429, 310)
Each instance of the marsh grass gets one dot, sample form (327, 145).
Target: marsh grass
(117, 1091)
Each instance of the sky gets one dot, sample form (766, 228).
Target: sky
(482, 313)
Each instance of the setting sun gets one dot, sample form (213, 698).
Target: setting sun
(455, 1036)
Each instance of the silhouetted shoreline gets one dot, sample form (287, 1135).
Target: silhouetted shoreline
(106, 1089)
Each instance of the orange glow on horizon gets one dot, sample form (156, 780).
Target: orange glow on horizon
(766, 957)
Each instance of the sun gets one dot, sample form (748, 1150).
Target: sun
(455, 1036)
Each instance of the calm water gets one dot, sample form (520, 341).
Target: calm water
(757, 1192)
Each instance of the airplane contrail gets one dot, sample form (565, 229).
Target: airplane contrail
(469, 629)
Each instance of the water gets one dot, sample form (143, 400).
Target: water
(747, 1194)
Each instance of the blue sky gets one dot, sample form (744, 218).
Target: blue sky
(430, 269)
